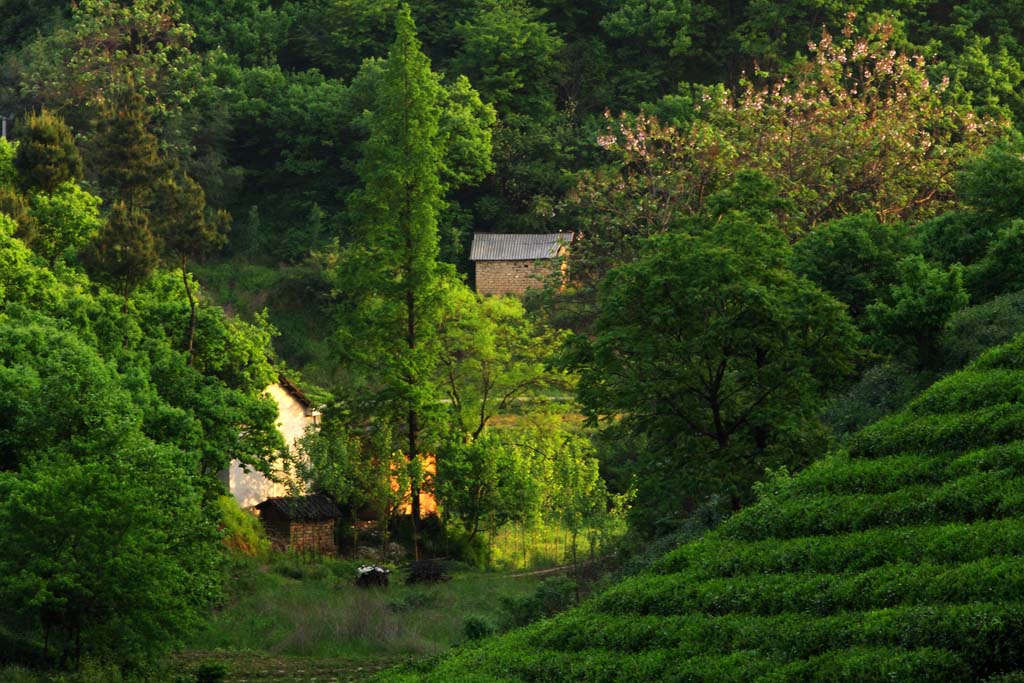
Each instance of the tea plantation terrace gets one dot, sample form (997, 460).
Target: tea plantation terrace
(900, 559)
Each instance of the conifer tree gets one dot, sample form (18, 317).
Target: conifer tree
(187, 230)
(124, 253)
(396, 291)
(47, 155)
(124, 153)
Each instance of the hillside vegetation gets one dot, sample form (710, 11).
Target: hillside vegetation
(899, 559)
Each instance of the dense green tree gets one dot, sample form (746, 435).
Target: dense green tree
(110, 45)
(396, 283)
(297, 137)
(15, 205)
(537, 474)
(105, 548)
(650, 40)
(335, 36)
(987, 187)
(211, 404)
(391, 284)
(853, 259)
(22, 279)
(186, 230)
(8, 173)
(22, 20)
(124, 154)
(919, 305)
(717, 353)
(510, 55)
(464, 139)
(493, 356)
(992, 182)
(1001, 270)
(253, 31)
(47, 155)
(65, 220)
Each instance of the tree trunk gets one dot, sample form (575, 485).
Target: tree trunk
(414, 487)
(192, 308)
(414, 425)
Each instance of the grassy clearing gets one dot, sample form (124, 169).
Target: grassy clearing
(518, 547)
(294, 620)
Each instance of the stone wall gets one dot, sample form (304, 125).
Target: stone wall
(313, 536)
(279, 533)
(498, 278)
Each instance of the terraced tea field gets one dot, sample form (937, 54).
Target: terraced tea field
(900, 559)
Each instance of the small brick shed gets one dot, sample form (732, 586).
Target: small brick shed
(302, 523)
(511, 264)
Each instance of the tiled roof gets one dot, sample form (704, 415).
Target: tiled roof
(505, 247)
(293, 391)
(303, 508)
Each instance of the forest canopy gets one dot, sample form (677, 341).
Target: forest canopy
(787, 221)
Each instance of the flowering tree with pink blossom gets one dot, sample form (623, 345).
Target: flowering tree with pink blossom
(855, 127)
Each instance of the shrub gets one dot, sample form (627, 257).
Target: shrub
(821, 593)
(881, 391)
(983, 495)
(970, 391)
(551, 597)
(850, 552)
(973, 330)
(907, 432)
(211, 672)
(243, 532)
(476, 628)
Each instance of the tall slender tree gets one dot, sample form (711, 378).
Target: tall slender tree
(187, 229)
(392, 275)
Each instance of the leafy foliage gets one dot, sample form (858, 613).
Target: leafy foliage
(894, 560)
(713, 350)
(857, 128)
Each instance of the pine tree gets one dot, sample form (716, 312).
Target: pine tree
(47, 155)
(124, 253)
(187, 230)
(124, 154)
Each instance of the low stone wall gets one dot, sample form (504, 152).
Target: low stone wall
(313, 536)
(279, 533)
(498, 278)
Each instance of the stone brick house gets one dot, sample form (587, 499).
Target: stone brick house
(511, 264)
(300, 523)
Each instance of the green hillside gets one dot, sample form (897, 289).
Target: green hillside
(901, 559)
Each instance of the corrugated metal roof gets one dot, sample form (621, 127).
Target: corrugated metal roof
(303, 508)
(490, 246)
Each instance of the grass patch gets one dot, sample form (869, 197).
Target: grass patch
(542, 546)
(313, 610)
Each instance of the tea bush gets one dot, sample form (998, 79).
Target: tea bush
(899, 559)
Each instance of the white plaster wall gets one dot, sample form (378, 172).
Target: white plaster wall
(252, 488)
